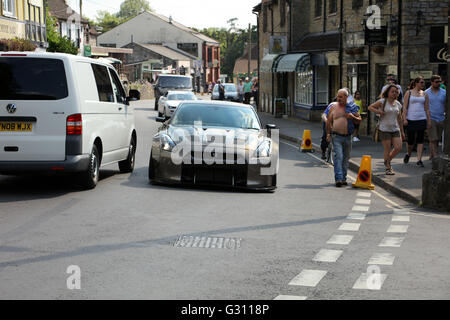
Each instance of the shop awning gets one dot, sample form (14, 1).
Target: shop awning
(267, 62)
(297, 62)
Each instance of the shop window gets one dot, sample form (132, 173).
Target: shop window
(9, 8)
(318, 8)
(304, 88)
(333, 6)
(357, 79)
(322, 86)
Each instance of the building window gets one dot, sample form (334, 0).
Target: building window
(322, 85)
(357, 79)
(318, 8)
(265, 13)
(282, 13)
(304, 88)
(9, 8)
(333, 6)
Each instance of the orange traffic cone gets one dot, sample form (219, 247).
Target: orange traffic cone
(307, 142)
(364, 180)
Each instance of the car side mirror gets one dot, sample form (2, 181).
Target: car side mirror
(269, 129)
(161, 119)
(134, 95)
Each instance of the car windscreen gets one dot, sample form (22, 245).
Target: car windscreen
(216, 116)
(181, 96)
(32, 79)
(175, 82)
(230, 88)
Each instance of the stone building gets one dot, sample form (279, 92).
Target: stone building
(329, 46)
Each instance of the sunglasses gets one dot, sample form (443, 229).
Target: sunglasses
(438, 81)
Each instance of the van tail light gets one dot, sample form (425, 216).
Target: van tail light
(74, 124)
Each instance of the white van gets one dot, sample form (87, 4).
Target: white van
(63, 113)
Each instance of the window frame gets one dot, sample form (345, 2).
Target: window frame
(321, 77)
(318, 8)
(93, 65)
(8, 3)
(121, 92)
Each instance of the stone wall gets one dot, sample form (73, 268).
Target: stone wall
(436, 186)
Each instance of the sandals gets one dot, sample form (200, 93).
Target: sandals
(389, 170)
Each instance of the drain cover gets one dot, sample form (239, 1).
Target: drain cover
(208, 243)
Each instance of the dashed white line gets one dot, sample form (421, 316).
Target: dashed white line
(392, 242)
(350, 227)
(282, 297)
(340, 240)
(308, 278)
(328, 255)
(385, 259)
(364, 201)
(361, 208)
(398, 229)
(356, 216)
(401, 219)
(364, 195)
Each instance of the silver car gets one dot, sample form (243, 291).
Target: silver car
(215, 143)
(231, 93)
(169, 102)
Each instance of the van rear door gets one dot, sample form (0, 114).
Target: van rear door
(34, 105)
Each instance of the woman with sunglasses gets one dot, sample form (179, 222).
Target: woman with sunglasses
(417, 118)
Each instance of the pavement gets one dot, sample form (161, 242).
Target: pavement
(406, 184)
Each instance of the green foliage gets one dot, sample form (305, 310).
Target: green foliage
(56, 43)
(131, 8)
(128, 10)
(17, 45)
(232, 44)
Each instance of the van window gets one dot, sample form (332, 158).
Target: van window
(117, 87)
(32, 79)
(105, 91)
(175, 82)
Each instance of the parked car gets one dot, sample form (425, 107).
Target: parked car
(64, 113)
(215, 125)
(231, 93)
(170, 101)
(171, 82)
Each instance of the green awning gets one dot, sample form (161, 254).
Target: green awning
(297, 62)
(267, 62)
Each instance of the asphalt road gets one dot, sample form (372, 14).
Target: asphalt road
(132, 240)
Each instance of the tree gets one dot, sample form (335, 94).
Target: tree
(56, 43)
(107, 20)
(132, 8)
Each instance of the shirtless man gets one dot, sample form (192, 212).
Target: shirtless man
(340, 127)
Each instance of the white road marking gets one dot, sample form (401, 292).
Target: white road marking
(398, 229)
(290, 298)
(402, 211)
(350, 227)
(356, 216)
(364, 195)
(308, 278)
(384, 259)
(363, 281)
(340, 240)
(363, 201)
(401, 219)
(361, 208)
(328, 255)
(392, 242)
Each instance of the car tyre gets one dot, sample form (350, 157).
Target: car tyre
(127, 166)
(89, 179)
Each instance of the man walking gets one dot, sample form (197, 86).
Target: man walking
(437, 98)
(240, 90)
(340, 127)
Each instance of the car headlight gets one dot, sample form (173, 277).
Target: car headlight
(167, 143)
(264, 150)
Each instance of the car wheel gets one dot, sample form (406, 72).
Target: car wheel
(89, 178)
(151, 169)
(127, 166)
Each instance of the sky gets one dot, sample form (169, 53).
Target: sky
(191, 13)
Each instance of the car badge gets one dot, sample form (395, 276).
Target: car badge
(11, 108)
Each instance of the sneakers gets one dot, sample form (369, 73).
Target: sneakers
(420, 164)
(324, 156)
(338, 184)
(356, 139)
(406, 160)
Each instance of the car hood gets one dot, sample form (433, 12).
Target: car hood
(252, 138)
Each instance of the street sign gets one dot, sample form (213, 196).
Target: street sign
(376, 36)
(87, 50)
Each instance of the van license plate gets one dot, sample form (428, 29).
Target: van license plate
(16, 126)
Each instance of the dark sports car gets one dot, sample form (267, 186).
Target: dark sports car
(215, 143)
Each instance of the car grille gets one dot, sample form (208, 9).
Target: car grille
(222, 175)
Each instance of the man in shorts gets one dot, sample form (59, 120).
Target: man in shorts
(437, 97)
